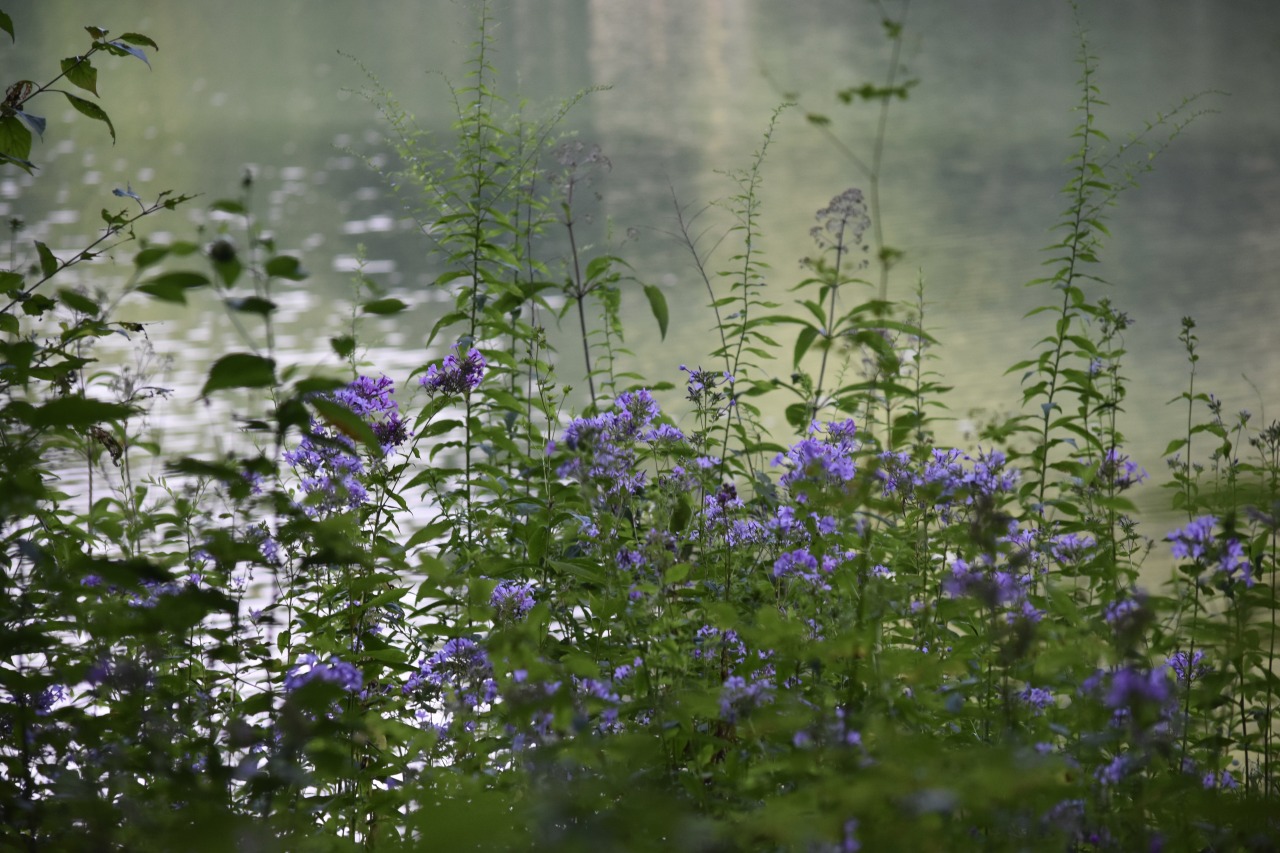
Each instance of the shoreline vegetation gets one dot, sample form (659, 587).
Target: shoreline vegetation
(619, 627)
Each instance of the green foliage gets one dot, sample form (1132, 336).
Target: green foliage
(460, 617)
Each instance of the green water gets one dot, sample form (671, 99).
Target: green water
(970, 185)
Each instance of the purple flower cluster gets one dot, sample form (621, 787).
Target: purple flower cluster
(1119, 472)
(460, 670)
(455, 375)
(820, 462)
(603, 446)
(326, 459)
(511, 600)
(1187, 668)
(310, 668)
(1199, 542)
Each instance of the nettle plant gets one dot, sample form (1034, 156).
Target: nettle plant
(446, 610)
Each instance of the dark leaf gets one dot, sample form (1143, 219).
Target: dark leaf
(347, 422)
(240, 370)
(6, 24)
(138, 38)
(77, 413)
(251, 305)
(48, 263)
(383, 306)
(92, 110)
(96, 32)
(228, 205)
(286, 266)
(343, 346)
(173, 286)
(79, 302)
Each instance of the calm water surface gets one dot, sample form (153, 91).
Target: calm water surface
(971, 179)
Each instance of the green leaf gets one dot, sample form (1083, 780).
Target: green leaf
(173, 286)
(25, 165)
(251, 305)
(80, 72)
(36, 123)
(658, 305)
(228, 205)
(343, 345)
(6, 24)
(804, 340)
(9, 323)
(78, 302)
(286, 266)
(93, 111)
(240, 370)
(150, 256)
(138, 38)
(15, 138)
(77, 413)
(48, 263)
(383, 306)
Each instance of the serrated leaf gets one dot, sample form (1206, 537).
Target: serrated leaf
(36, 123)
(286, 266)
(240, 370)
(48, 263)
(15, 138)
(173, 286)
(658, 305)
(389, 305)
(80, 72)
(93, 111)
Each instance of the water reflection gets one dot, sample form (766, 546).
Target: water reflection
(970, 184)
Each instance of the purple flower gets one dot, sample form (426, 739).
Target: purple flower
(460, 670)
(310, 668)
(455, 375)
(1191, 542)
(1187, 668)
(512, 600)
(1118, 471)
(821, 462)
(1132, 687)
(739, 696)
(1198, 542)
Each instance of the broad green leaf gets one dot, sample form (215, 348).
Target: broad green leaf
(11, 280)
(389, 305)
(80, 72)
(286, 266)
(343, 345)
(6, 24)
(15, 138)
(77, 413)
(240, 370)
(48, 263)
(251, 305)
(93, 111)
(9, 323)
(228, 205)
(78, 302)
(36, 123)
(150, 256)
(658, 305)
(173, 286)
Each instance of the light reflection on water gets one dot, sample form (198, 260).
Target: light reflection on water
(970, 184)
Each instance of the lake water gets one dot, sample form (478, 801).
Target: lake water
(970, 183)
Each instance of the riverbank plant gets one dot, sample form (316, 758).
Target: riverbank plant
(471, 608)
